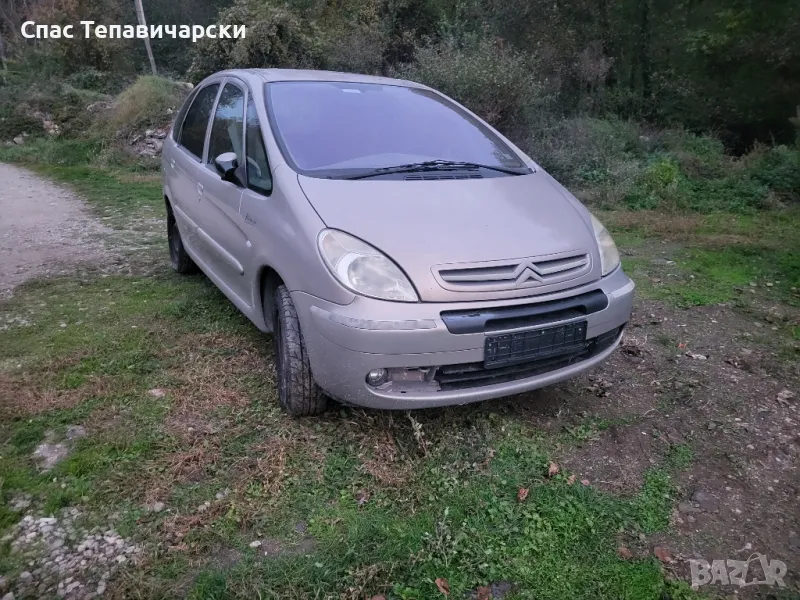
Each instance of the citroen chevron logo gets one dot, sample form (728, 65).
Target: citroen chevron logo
(525, 273)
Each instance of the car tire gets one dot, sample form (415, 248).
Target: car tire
(298, 394)
(178, 257)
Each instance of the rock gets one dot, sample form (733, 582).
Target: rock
(8, 596)
(76, 431)
(706, 501)
(785, 396)
(255, 543)
(19, 140)
(157, 507)
(157, 393)
(624, 552)
(20, 502)
(687, 507)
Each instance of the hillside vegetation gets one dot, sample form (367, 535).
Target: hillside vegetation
(633, 105)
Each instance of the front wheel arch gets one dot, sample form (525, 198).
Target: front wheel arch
(268, 283)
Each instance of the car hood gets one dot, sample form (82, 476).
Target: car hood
(466, 240)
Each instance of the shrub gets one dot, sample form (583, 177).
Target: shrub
(13, 122)
(778, 168)
(276, 37)
(351, 47)
(149, 102)
(697, 155)
(585, 150)
(495, 82)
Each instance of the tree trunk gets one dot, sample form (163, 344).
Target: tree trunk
(143, 21)
(644, 51)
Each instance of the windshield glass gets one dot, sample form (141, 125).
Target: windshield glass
(335, 127)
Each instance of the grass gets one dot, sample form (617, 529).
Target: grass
(442, 514)
(347, 505)
(711, 259)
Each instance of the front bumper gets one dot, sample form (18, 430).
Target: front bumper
(345, 342)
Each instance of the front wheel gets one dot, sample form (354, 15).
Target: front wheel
(298, 394)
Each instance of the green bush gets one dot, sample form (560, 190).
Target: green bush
(585, 150)
(276, 37)
(496, 82)
(14, 122)
(149, 102)
(777, 167)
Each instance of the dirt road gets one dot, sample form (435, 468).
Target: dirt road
(44, 229)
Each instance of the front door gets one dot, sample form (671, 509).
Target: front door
(220, 223)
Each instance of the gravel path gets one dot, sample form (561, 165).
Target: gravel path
(44, 229)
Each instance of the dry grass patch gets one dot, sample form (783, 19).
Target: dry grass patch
(655, 223)
(267, 462)
(210, 368)
(24, 397)
(381, 458)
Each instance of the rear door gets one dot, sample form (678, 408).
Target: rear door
(220, 223)
(184, 163)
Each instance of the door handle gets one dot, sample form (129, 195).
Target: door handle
(199, 191)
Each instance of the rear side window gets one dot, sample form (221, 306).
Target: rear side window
(193, 132)
(227, 132)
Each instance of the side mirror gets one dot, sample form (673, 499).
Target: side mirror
(227, 163)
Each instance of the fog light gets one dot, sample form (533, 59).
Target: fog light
(377, 377)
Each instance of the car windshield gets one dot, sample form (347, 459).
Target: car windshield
(331, 129)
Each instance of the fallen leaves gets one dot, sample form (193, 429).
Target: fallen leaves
(662, 554)
(522, 494)
(571, 479)
(552, 469)
(443, 585)
(624, 552)
(483, 593)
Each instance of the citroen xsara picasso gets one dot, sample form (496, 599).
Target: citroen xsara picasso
(401, 251)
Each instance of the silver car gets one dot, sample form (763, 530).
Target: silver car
(402, 252)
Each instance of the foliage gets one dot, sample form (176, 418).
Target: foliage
(276, 37)
(612, 163)
(149, 102)
(495, 81)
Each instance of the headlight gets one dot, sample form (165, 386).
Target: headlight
(609, 256)
(361, 268)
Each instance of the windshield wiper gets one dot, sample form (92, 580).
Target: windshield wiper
(434, 165)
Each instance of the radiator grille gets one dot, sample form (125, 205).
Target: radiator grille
(512, 274)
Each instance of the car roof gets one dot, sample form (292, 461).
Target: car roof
(270, 75)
